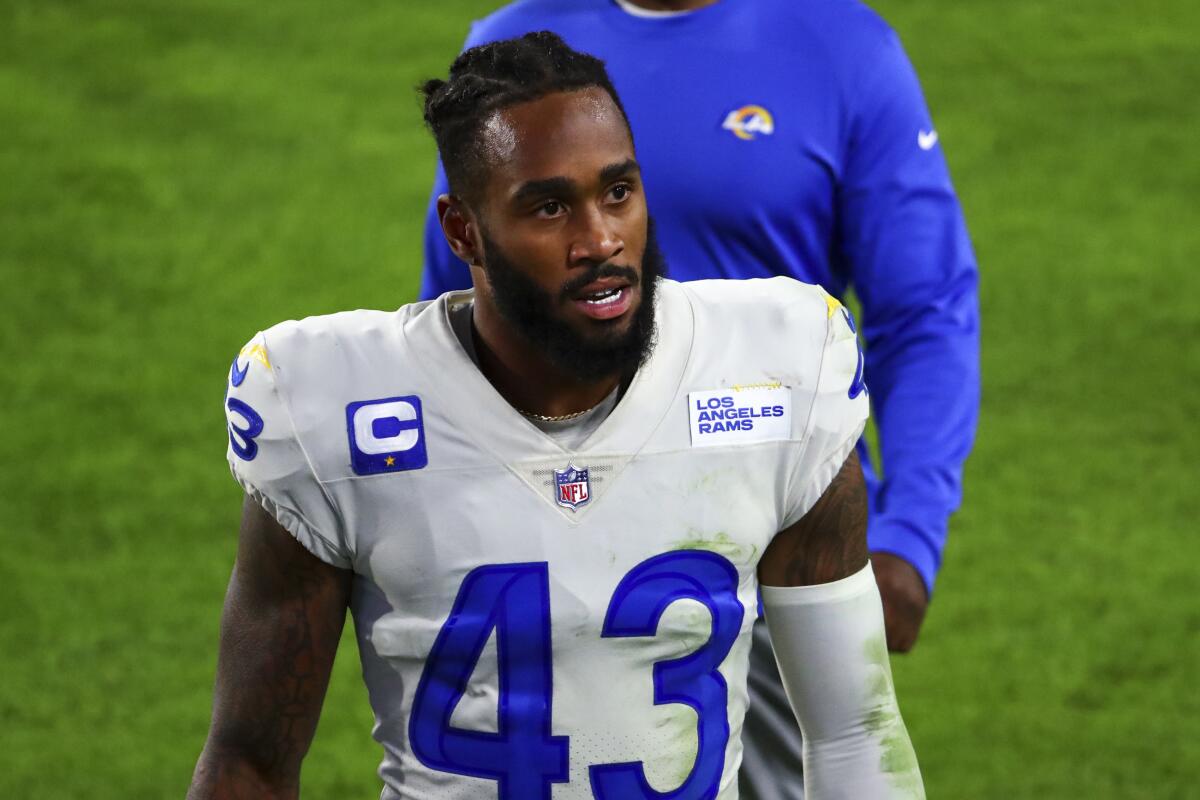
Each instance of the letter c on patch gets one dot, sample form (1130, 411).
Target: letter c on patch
(386, 435)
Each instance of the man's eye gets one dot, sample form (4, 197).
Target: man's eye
(620, 192)
(550, 208)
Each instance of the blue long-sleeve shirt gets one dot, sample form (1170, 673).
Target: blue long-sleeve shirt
(791, 138)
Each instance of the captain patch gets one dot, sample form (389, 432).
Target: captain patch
(740, 415)
(386, 435)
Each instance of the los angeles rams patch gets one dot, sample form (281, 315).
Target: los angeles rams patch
(386, 435)
(740, 415)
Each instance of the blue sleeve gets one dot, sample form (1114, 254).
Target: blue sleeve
(444, 271)
(903, 239)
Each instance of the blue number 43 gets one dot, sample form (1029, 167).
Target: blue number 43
(523, 757)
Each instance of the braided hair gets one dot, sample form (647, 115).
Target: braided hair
(495, 76)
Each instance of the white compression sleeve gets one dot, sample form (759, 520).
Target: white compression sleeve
(830, 644)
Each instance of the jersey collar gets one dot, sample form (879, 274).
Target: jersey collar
(482, 414)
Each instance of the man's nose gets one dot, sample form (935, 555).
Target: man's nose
(596, 240)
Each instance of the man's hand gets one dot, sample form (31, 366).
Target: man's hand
(904, 600)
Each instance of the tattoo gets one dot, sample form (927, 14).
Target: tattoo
(283, 619)
(230, 781)
(829, 542)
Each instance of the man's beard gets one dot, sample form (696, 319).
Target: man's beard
(532, 312)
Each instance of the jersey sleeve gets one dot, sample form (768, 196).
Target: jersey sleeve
(905, 246)
(269, 460)
(836, 418)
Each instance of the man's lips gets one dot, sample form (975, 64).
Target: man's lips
(606, 298)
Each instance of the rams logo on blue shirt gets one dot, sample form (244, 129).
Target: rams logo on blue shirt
(747, 121)
(386, 435)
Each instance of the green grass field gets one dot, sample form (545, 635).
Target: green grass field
(175, 176)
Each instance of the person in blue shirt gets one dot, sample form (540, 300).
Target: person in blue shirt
(779, 137)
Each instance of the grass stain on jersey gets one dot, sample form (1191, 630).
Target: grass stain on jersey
(899, 760)
(715, 480)
(720, 543)
(690, 625)
(682, 747)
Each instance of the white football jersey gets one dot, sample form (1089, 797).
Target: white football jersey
(535, 622)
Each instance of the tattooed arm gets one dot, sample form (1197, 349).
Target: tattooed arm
(829, 542)
(283, 617)
(826, 622)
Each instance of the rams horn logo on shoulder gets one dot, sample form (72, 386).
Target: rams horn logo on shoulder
(747, 121)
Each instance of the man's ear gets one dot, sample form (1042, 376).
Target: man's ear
(460, 229)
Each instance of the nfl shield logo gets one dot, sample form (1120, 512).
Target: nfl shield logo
(571, 487)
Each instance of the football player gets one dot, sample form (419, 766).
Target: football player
(549, 502)
(793, 138)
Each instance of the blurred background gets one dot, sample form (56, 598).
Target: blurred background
(176, 176)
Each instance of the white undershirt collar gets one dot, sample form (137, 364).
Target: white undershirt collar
(637, 11)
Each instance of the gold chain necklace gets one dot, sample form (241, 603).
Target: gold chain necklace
(559, 418)
(563, 417)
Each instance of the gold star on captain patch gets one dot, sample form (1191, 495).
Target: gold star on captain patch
(833, 304)
(390, 461)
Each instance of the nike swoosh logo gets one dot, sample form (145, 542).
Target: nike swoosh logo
(236, 376)
(926, 139)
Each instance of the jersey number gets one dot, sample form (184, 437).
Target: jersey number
(241, 439)
(522, 756)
